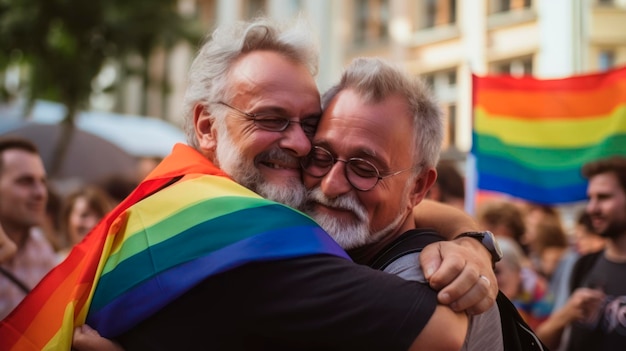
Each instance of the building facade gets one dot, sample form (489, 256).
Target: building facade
(444, 41)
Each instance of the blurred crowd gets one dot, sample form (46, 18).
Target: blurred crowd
(540, 250)
(39, 224)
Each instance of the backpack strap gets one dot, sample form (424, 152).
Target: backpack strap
(15, 280)
(409, 242)
(516, 334)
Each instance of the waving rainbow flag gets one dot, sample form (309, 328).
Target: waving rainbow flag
(185, 222)
(531, 137)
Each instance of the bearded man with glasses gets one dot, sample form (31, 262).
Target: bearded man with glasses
(373, 160)
(199, 257)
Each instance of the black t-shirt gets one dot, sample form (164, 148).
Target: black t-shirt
(312, 303)
(606, 331)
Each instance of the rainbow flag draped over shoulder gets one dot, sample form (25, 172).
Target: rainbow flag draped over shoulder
(531, 137)
(185, 222)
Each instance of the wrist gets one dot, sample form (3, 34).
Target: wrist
(487, 240)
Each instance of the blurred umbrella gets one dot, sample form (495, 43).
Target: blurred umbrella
(88, 157)
(137, 135)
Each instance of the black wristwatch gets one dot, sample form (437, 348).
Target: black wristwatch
(489, 242)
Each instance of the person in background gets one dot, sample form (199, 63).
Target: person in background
(539, 220)
(23, 196)
(449, 188)
(504, 219)
(550, 246)
(82, 210)
(527, 289)
(586, 239)
(535, 214)
(588, 317)
(602, 326)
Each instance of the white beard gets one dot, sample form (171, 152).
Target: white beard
(348, 235)
(290, 192)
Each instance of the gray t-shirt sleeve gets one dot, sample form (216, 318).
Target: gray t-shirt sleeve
(407, 267)
(485, 330)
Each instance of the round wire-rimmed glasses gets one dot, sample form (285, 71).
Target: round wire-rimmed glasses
(360, 173)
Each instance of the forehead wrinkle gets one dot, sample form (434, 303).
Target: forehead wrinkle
(336, 130)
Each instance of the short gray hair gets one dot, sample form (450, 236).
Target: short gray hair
(208, 75)
(375, 79)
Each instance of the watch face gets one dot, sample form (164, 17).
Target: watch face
(489, 241)
(494, 243)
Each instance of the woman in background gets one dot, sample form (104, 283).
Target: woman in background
(83, 209)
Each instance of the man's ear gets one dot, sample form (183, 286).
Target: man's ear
(204, 128)
(422, 184)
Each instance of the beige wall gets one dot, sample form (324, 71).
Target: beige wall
(475, 42)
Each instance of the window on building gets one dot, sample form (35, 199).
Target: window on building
(441, 81)
(606, 2)
(443, 84)
(451, 78)
(606, 60)
(527, 67)
(371, 21)
(502, 68)
(516, 67)
(451, 120)
(360, 28)
(432, 13)
(452, 11)
(496, 6)
(429, 79)
(384, 18)
(504, 5)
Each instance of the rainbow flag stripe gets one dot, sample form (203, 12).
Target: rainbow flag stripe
(195, 223)
(531, 136)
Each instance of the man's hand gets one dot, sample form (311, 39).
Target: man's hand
(582, 305)
(461, 270)
(88, 339)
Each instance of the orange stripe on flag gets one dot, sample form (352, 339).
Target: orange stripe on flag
(557, 104)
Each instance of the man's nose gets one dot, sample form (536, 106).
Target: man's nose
(335, 182)
(40, 189)
(294, 139)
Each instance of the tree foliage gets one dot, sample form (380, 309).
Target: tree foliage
(63, 44)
